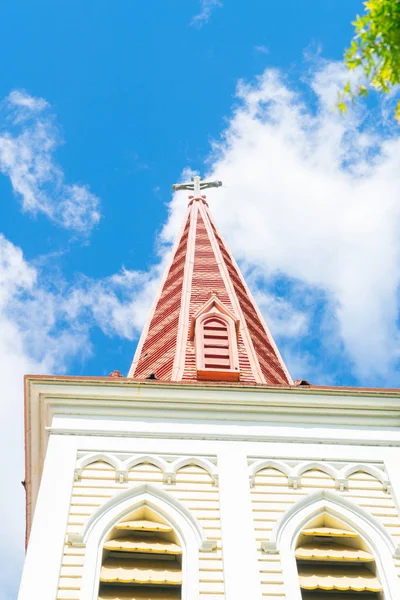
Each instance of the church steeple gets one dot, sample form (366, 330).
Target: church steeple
(204, 324)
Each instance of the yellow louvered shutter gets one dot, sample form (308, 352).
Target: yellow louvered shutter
(141, 561)
(334, 564)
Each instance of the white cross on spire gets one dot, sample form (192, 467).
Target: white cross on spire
(196, 185)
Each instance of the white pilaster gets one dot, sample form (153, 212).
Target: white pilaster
(46, 542)
(392, 464)
(242, 577)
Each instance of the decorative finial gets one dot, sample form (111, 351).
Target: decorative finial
(196, 185)
(115, 373)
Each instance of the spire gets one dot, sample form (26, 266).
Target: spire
(204, 324)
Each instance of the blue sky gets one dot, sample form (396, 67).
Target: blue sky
(104, 105)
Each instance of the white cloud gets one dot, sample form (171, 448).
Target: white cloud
(28, 139)
(261, 49)
(314, 197)
(207, 7)
(41, 330)
(119, 304)
(20, 99)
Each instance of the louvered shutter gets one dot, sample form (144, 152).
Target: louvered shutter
(329, 568)
(216, 344)
(141, 562)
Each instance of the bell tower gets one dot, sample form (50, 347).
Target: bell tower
(208, 473)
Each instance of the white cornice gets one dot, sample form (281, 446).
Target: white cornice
(124, 408)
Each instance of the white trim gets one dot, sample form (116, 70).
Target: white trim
(302, 468)
(128, 496)
(111, 460)
(146, 459)
(183, 322)
(346, 472)
(43, 559)
(240, 560)
(88, 459)
(203, 463)
(340, 476)
(168, 470)
(186, 526)
(284, 435)
(286, 531)
(267, 463)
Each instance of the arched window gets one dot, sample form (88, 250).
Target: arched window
(334, 563)
(142, 559)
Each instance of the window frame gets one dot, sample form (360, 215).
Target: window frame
(190, 534)
(285, 534)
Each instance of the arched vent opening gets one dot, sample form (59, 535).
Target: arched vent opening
(334, 563)
(142, 560)
(216, 344)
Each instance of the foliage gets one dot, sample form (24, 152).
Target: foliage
(375, 49)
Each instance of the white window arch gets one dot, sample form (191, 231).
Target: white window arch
(286, 532)
(160, 503)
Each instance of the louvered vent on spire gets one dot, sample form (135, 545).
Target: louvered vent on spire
(204, 324)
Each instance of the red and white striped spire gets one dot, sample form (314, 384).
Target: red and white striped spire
(204, 323)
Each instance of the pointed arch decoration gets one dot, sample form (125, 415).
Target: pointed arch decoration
(141, 494)
(295, 519)
(179, 463)
(146, 459)
(259, 465)
(94, 532)
(110, 459)
(299, 470)
(168, 470)
(346, 472)
(340, 476)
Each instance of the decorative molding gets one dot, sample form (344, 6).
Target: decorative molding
(369, 469)
(322, 500)
(340, 476)
(267, 464)
(208, 546)
(92, 457)
(269, 548)
(203, 463)
(169, 469)
(213, 306)
(98, 408)
(231, 437)
(146, 490)
(294, 481)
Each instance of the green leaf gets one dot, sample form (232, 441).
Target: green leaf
(375, 50)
